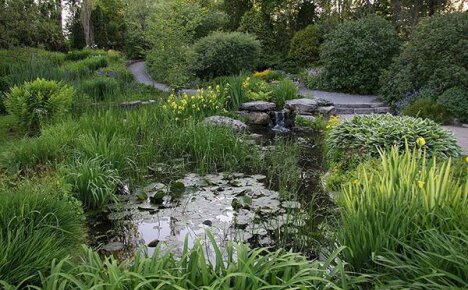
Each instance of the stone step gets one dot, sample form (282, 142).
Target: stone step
(376, 110)
(360, 105)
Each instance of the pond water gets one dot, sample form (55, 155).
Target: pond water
(232, 206)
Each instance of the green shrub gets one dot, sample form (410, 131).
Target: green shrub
(37, 227)
(428, 109)
(284, 90)
(40, 101)
(394, 206)
(75, 70)
(364, 135)
(225, 54)
(305, 45)
(213, 21)
(95, 62)
(434, 59)
(75, 55)
(93, 181)
(355, 54)
(455, 100)
(99, 88)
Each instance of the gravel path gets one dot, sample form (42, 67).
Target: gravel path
(338, 98)
(138, 70)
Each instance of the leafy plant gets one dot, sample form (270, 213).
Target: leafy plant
(428, 109)
(395, 206)
(455, 100)
(284, 90)
(93, 181)
(364, 135)
(355, 54)
(37, 227)
(305, 45)
(433, 60)
(99, 88)
(225, 53)
(38, 102)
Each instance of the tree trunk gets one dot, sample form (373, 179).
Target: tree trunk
(86, 20)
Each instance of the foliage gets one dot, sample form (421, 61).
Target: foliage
(214, 20)
(40, 101)
(93, 181)
(223, 53)
(455, 100)
(305, 45)
(401, 202)
(428, 108)
(75, 55)
(234, 92)
(99, 88)
(319, 122)
(284, 90)
(171, 34)
(38, 226)
(365, 135)
(257, 89)
(434, 59)
(355, 54)
(206, 103)
(236, 268)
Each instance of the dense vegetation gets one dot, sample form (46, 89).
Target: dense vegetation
(76, 129)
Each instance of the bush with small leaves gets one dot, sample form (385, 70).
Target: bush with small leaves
(455, 100)
(223, 53)
(355, 54)
(305, 45)
(39, 101)
(428, 109)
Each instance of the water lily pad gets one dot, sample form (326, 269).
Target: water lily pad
(177, 189)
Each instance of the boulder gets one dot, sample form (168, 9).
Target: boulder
(234, 124)
(258, 106)
(302, 106)
(256, 118)
(327, 110)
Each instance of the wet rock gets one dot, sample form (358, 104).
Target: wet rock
(258, 106)
(256, 118)
(234, 124)
(153, 243)
(154, 187)
(207, 223)
(123, 189)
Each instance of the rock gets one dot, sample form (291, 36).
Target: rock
(256, 118)
(363, 111)
(114, 247)
(234, 124)
(327, 111)
(207, 223)
(323, 102)
(258, 106)
(302, 106)
(153, 243)
(132, 104)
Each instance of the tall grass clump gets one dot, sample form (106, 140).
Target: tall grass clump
(232, 87)
(99, 88)
(236, 268)
(284, 90)
(393, 210)
(37, 227)
(93, 181)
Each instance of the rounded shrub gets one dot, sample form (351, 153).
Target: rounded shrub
(37, 227)
(305, 45)
(225, 54)
(455, 100)
(434, 59)
(428, 109)
(39, 101)
(363, 136)
(355, 54)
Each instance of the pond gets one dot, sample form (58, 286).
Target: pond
(232, 206)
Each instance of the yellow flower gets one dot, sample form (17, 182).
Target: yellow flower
(421, 141)
(466, 159)
(356, 181)
(421, 184)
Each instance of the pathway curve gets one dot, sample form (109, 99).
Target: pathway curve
(141, 75)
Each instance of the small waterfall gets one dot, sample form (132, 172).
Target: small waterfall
(280, 125)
